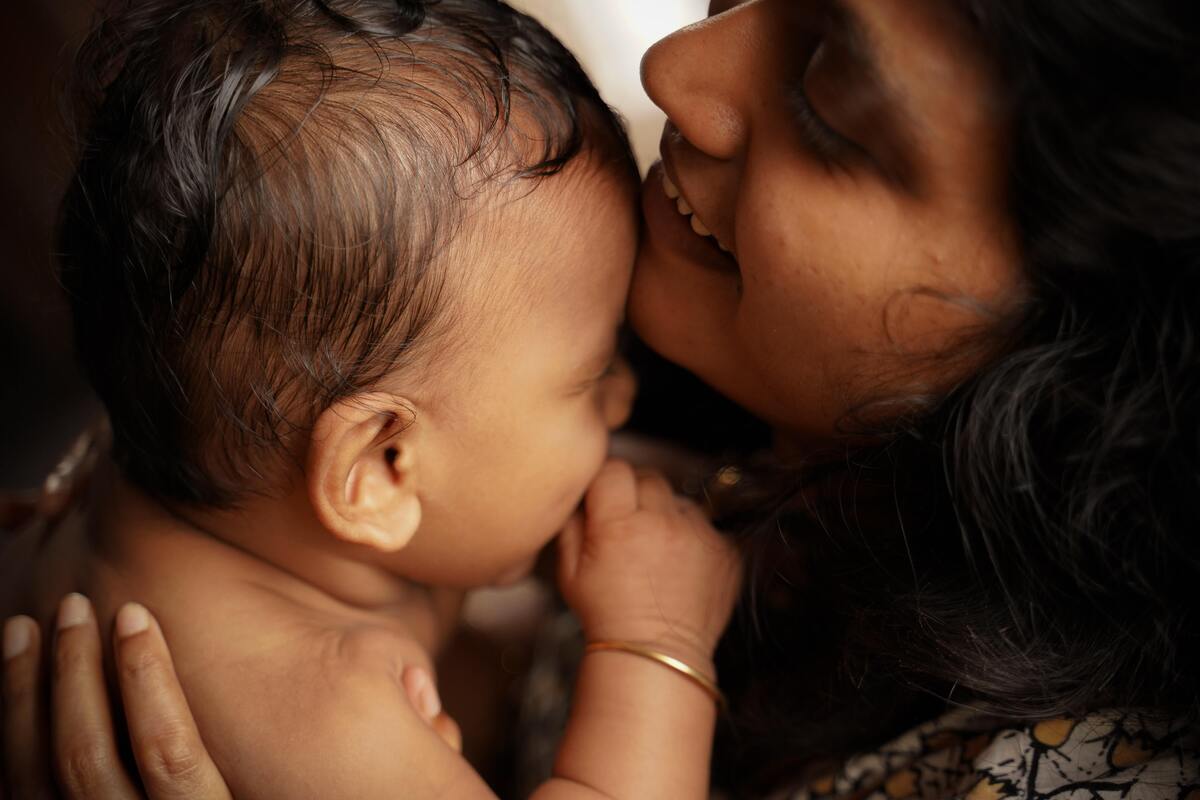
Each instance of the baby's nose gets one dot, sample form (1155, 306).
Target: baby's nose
(620, 389)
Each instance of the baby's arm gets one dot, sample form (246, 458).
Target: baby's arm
(644, 568)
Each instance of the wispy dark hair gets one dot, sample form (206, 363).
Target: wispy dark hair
(1030, 543)
(263, 194)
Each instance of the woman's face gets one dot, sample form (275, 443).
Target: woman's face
(851, 158)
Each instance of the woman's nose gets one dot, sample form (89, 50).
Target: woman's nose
(706, 77)
(620, 392)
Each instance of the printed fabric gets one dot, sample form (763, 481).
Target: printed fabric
(1110, 755)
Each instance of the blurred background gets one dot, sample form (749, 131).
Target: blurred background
(43, 400)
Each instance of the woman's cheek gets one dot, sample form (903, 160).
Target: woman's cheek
(683, 317)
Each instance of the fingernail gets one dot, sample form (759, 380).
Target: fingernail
(132, 619)
(431, 704)
(18, 633)
(53, 483)
(73, 611)
(427, 696)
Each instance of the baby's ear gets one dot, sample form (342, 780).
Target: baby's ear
(362, 471)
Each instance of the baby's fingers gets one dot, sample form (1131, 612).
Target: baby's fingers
(445, 727)
(85, 751)
(423, 695)
(570, 547)
(613, 494)
(26, 772)
(654, 493)
(171, 757)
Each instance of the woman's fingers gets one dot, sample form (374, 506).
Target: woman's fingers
(171, 757)
(85, 751)
(26, 771)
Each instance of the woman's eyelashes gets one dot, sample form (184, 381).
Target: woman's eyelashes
(831, 147)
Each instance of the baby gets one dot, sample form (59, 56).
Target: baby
(347, 275)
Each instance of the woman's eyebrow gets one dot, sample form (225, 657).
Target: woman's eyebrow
(849, 30)
(856, 39)
(854, 35)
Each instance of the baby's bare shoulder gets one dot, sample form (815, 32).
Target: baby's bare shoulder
(315, 707)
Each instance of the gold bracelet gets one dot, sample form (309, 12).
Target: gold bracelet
(695, 676)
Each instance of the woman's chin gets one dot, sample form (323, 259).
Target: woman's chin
(655, 307)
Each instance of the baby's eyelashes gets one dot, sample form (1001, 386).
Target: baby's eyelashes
(610, 368)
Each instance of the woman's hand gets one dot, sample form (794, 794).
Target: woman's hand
(645, 565)
(171, 757)
(74, 746)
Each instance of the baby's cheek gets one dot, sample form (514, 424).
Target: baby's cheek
(592, 455)
(619, 393)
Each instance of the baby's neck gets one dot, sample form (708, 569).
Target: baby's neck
(278, 542)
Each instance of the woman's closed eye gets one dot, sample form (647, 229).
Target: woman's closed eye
(831, 146)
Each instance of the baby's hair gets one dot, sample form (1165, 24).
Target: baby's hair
(262, 196)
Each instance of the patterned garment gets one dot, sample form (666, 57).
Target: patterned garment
(962, 755)
(1111, 755)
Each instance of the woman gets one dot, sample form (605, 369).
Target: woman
(950, 250)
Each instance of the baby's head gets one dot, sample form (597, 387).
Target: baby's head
(371, 253)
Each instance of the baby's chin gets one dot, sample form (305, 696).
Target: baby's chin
(523, 568)
(516, 573)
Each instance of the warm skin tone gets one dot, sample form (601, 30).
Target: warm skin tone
(867, 225)
(319, 623)
(834, 231)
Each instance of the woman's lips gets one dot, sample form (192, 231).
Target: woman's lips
(673, 230)
(685, 209)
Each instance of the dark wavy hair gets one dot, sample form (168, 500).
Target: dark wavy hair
(264, 195)
(1028, 544)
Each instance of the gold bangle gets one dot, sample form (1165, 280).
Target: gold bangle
(694, 675)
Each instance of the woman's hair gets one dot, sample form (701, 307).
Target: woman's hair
(265, 195)
(1029, 545)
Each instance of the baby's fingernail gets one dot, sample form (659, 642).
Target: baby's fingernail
(73, 611)
(18, 633)
(132, 619)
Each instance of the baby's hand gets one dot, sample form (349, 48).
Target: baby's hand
(644, 565)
